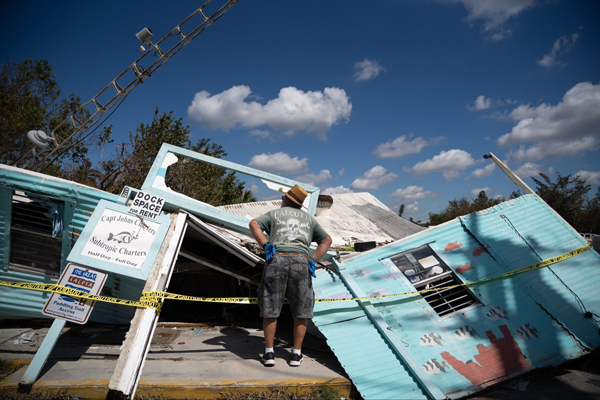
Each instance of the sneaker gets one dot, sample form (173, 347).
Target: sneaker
(268, 359)
(296, 359)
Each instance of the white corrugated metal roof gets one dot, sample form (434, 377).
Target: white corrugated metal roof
(353, 216)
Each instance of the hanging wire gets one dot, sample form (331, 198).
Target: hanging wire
(87, 135)
(587, 314)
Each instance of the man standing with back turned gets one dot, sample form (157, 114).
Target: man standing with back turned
(288, 268)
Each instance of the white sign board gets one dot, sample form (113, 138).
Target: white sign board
(71, 308)
(146, 205)
(120, 238)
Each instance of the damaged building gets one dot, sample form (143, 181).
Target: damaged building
(428, 313)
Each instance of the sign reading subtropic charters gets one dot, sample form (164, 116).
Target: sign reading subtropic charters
(121, 238)
(71, 308)
(146, 205)
(114, 240)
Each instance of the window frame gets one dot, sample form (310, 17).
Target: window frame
(422, 284)
(19, 267)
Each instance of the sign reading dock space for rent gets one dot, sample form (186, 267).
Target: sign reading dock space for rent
(146, 205)
(71, 308)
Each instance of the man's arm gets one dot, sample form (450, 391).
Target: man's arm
(258, 234)
(321, 248)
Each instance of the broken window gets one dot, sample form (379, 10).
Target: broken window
(33, 247)
(425, 271)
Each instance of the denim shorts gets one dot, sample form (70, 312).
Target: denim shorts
(286, 277)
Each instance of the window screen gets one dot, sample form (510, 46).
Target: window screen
(425, 270)
(32, 247)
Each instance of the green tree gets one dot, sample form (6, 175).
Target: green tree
(205, 182)
(401, 210)
(568, 196)
(30, 100)
(463, 206)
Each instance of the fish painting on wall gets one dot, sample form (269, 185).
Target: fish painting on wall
(453, 246)
(431, 339)
(496, 314)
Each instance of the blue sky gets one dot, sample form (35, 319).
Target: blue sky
(399, 98)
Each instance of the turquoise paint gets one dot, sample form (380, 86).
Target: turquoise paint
(5, 218)
(165, 149)
(534, 299)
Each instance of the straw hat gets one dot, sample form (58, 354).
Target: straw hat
(296, 194)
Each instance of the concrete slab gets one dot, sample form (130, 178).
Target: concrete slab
(8, 334)
(183, 362)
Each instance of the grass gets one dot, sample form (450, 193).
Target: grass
(35, 396)
(7, 368)
(323, 393)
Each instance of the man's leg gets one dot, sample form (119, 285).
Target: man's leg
(269, 328)
(299, 332)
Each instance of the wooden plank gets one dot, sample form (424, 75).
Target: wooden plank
(135, 348)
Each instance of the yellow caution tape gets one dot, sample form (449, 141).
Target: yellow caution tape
(153, 299)
(50, 287)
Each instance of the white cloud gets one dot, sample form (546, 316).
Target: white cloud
(481, 103)
(342, 172)
(497, 197)
(577, 115)
(475, 192)
(292, 111)
(280, 163)
(401, 146)
(254, 189)
(412, 209)
(561, 46)
(367, 69)
(313, 179)
(259, 133)
(590, 177)
(554, 149)
(531, 169)
(494, 14)
(337, 190)
(373, 178)
(414, 193)
(483, 172)
(570, 127)
(450, 163)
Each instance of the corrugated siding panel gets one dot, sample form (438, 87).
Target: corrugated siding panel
(528, 221)
(509, 312)
(19, 303)
(365, 355)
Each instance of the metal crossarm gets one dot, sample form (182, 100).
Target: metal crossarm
(140, 73)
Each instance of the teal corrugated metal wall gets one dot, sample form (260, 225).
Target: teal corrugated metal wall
(80, 202)
(526, 321)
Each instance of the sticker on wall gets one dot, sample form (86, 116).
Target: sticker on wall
(465, 332)
(453, 246)
(379, 292)
(497, 313)
(431, 339)
(361, 272)
(527, 332)
(432, 367)
(391, 276)
(480, 250)
(461, 269)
